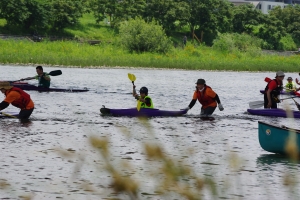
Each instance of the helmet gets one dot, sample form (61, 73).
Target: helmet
(144, 90)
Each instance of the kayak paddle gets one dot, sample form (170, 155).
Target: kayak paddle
(8, 115)
(258, 104)
(52, 73)
(297, 104)
(133, 78)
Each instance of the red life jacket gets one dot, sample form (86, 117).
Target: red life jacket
(204, 99)
(24, 99)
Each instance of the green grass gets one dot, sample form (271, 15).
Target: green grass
(84, 55)
(109, 53)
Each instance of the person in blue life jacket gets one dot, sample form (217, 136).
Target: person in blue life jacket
(145, 100)
(43, 78)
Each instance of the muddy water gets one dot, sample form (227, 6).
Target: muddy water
(32, 163)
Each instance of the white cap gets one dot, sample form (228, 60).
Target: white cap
(280, 73)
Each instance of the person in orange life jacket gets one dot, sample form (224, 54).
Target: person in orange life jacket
(44, 78)
(17, 98)
(207, 97)
(272, 91)
(146, 101)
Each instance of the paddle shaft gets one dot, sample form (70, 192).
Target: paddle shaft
(258, 104)
(52, 73)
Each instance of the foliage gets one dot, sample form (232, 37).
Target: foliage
(245, 17)
(66, 12)
(167, 12)
(290, 17)
(209, 17)
(287, 43)
(29, 14)
(116, 10)
(237, 42)
(271, 32)
(137, 35)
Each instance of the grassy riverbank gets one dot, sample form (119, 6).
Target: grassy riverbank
(195, 58)
(109, 53)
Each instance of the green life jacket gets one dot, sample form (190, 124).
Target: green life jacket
(43, 82)
(143, 105)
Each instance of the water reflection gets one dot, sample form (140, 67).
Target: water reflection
(66, 120)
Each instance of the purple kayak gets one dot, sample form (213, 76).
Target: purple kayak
(284, 93)
(26, 86)
(273, 112)
(144, 112)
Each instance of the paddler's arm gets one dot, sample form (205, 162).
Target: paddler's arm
(28, 78)
(3, 105)
(269, 98)
(192, 103)
(134, 93)
(217, 99)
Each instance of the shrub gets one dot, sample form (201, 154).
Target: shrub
(137, 35)
(287, 43)
(230, 42)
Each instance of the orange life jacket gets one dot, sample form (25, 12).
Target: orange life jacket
(24, 99)
(204, 99)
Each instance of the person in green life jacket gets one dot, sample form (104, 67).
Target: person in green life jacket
(145, 100)
(290, 86)
(43, 78)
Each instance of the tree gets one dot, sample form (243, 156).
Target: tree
(167, 12)
(103, 9)
(29, 14)
(271, 31)
(245, 17)
(210, 17)
(290, 18)
(66, 12)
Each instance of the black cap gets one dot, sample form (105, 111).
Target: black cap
(200, 81)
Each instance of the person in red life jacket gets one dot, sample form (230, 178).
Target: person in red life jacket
(17, 98)
(272, 91)
(207, 98)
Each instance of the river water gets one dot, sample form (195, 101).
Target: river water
(50, 157)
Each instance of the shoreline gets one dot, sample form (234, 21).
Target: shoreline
(122, 67)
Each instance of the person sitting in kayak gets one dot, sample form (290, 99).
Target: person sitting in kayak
(290, 86)
(272, 91)
(43, 77)
(206, 97)
(145, 100)
(18, 98)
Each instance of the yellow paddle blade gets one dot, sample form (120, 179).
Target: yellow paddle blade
(131, 77)
(138, 106)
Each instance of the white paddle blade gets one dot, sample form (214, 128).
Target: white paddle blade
(256, 104)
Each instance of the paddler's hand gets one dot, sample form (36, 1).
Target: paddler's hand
(221, 108)
(269, 105)
(137, 97)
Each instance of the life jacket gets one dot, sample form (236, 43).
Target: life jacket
(24, 99)
(204, 99)
(277, 90)
(43, 82)
(143, 105)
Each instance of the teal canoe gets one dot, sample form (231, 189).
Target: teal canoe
(274, 138)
